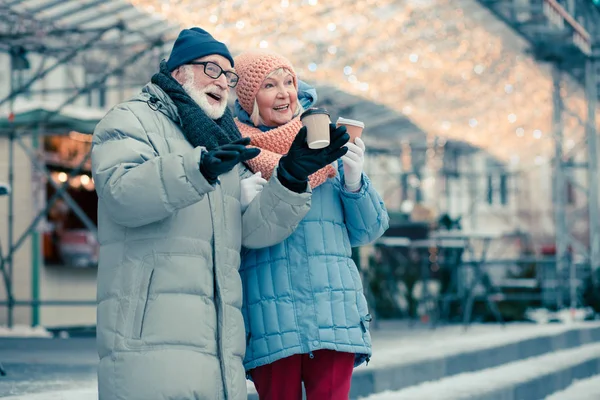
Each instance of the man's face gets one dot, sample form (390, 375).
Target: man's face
(210, 94)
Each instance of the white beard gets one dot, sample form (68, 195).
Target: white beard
(201, 98)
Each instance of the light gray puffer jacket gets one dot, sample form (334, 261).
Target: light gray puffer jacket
(169, 324)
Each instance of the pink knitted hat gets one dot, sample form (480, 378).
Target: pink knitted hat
(253, 67)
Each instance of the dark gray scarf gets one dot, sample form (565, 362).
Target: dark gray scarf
(198, 128)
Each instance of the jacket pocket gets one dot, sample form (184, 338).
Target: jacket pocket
(142, 302)
(365, 322)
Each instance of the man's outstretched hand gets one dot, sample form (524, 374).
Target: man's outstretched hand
(224, 158)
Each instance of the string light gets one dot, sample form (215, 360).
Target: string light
(447, 67)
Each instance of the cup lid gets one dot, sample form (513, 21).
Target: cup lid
(313, 111)
(353, 122)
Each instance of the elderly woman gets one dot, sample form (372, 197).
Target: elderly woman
(305, 313)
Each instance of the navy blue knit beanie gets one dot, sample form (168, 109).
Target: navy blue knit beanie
(194, 43)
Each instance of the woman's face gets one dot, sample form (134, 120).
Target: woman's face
(277, 99)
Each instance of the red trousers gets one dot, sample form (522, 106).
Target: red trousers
(326, 376)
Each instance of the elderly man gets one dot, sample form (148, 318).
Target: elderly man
(167, 166)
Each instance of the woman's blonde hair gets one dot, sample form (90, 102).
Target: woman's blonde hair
(255, 116)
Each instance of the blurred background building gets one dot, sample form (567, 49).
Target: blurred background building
(480, 128)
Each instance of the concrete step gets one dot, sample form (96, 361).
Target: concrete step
(528, 379)
(393, 375)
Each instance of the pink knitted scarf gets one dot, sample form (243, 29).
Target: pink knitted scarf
(273, 145)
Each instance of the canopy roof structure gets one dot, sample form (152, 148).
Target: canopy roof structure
(451, 66)
(26, 114)
(100, 34)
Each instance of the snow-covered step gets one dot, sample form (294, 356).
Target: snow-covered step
(72, 394)
(401, 367)
(585, 389)
(529, 379)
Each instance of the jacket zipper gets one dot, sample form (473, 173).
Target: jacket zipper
(217, 295)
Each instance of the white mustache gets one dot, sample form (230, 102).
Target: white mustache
(215, 90)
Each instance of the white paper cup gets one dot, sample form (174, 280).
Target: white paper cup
(317, 122)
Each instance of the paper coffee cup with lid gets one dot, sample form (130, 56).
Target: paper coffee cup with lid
(353, 127)
(316, 121)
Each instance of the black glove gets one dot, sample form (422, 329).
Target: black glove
(224, 158)
(301, 161)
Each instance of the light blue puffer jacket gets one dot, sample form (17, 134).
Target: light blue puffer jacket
(305, 293)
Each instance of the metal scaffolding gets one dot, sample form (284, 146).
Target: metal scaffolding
(108, 38)
(564, 34)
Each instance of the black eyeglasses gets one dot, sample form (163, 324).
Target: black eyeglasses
(214, 71)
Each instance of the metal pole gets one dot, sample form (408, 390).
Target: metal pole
(11, 182)
(9, 257)
(4, 271)
(38, 303)
(36, 250)
(594, 223)
(562, 238)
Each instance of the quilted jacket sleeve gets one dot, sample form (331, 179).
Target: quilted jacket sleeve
(273, 215)
(364, 212)
(137, 185)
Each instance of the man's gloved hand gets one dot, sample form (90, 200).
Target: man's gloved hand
(250, 187)
(224, 158)
(301, 161)
(354, 161)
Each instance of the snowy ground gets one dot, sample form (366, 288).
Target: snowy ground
(64, 369)
(75, 394)
(22, 331)
(467, 385)
(586, 389)
(37, 365)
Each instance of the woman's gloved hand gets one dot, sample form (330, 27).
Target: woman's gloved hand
(354, 161)
(301, 161)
